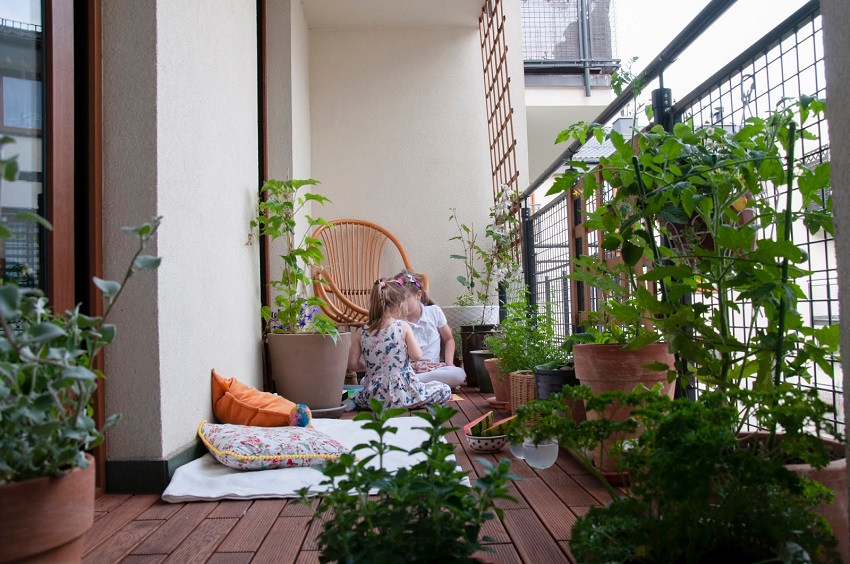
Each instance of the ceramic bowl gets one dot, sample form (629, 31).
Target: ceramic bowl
(486, 445)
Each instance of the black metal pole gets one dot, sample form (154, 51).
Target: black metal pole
(528, 264)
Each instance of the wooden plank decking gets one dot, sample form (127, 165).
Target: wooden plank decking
(144, 529)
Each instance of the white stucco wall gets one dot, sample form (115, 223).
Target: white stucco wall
(288, 105)
(399, 136)
(182, 77)
(836, 27)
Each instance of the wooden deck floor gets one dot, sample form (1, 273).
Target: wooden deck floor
(144, 529)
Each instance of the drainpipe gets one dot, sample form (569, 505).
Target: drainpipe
(584, 43)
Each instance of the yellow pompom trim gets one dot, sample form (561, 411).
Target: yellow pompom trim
(238, 456)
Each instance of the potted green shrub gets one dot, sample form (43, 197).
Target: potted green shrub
(733, 263)
(522, 341)
(306, 351)
(47, 381)
(485, 265)
(424, 513)
(697, 492)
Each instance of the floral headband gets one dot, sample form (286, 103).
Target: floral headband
(410, 278)
(380, 282)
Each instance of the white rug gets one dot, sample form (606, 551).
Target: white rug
(206, 479)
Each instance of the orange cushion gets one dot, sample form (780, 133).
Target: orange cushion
(238, 404)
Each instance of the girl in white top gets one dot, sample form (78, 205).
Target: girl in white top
(385, 349)
(432, 332)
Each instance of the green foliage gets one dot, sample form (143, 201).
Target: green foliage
(691, 215)
(47, 374)
(295, 311)
(735, 502)
(419, 514)
(525, 339)
(485, 266)
(698, 491)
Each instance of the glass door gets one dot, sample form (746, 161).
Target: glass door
(21, 119)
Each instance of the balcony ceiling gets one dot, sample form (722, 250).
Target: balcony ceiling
(546, 122)
(353, 14)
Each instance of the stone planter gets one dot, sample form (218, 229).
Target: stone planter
(309, 368)
(458, 316)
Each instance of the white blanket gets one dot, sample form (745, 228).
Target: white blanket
(206, 479)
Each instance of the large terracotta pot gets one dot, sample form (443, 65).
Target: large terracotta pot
(309, 368)
(604, 368)
(44, 519)
(501, 383)
(833, 476)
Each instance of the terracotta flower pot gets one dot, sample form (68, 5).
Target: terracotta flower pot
(44, 519)
(604, 368)
(501, 383)
(834, 477)
(309, 368)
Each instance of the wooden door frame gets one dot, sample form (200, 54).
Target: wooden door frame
(60, 157)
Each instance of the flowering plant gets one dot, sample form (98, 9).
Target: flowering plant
(485, 266)
(295, 311)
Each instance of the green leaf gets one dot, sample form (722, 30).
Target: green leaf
(79, 373)
(147, 262)
(563, 183)
(631, 253)
(29, 216)
(107, 333)
(108, 287)
(43, 332)
(611, 242)
(660, 272)
(10, 301)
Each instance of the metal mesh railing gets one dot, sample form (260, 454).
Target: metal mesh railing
(786, 63)
(570, 32)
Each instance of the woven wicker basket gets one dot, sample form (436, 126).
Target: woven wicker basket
(522, 389)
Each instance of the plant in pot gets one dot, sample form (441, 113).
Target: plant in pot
(424, 513)
(697, 492)
(485, 266)
(729, 268)
(47, 380)
(522, 341)
(307, 353)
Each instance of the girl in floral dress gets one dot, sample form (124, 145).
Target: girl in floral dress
(384, 350)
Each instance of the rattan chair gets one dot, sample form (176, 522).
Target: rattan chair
(357, 253)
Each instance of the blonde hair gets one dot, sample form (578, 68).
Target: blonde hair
(386, 295)
(412, 282)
